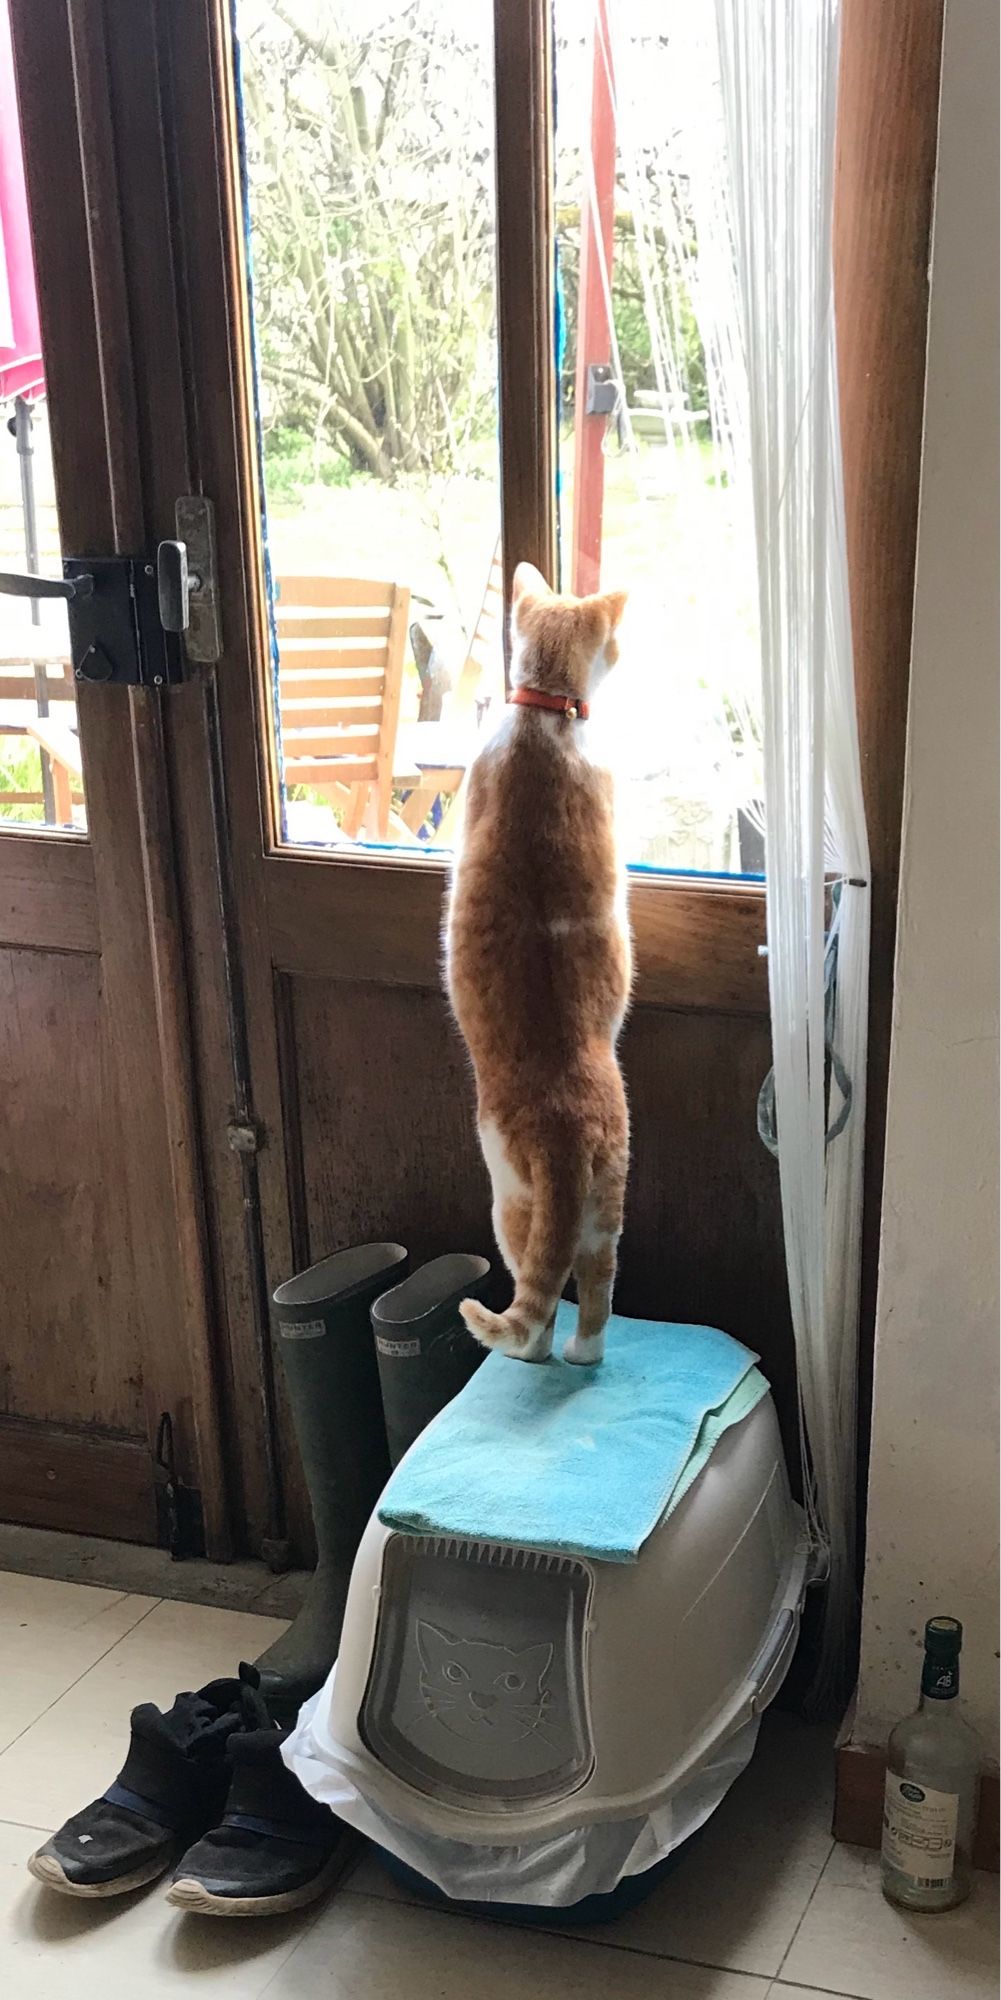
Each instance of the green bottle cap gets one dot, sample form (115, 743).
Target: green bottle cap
(944, 1637)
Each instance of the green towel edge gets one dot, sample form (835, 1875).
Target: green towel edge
(738, 1405)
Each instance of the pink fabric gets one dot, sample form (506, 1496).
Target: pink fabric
(22, 371)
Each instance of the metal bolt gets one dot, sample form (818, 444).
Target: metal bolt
(158, 680)
(150, 571)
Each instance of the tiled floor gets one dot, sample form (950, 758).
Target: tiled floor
(765, 1909)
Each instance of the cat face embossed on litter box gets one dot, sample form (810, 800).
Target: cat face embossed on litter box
(474, 1687)
(476, 1692)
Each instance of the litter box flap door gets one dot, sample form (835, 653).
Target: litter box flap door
(476, 1690)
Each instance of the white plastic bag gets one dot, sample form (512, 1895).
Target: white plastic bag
(554, 1873)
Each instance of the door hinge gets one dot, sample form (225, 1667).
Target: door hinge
(133, 622)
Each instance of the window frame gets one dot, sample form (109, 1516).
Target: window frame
(698, 942)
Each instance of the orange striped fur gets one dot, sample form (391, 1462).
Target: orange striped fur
(538, 973)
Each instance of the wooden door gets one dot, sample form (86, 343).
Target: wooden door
(105, 1316)
(332, 1094)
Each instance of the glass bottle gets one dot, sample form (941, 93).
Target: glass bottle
(932, 1786)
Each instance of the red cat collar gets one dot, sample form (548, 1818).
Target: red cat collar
(557, 704)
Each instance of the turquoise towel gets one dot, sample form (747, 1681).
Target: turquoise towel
(579, 1460)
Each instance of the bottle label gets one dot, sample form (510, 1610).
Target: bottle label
(919, 1831)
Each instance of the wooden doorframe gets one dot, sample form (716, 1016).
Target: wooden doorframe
(345, 918)
(887, 146)
(526, 329)
(114, 893)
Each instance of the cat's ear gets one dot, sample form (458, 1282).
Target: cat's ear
(433, 1645)
(613, 603)
(534, 1662)
(528, 582)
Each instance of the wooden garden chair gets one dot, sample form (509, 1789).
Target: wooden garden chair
(54, 735)
(482, 678)
(450, 713)
(340, 667)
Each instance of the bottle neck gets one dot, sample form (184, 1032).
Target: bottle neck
(939, 1679)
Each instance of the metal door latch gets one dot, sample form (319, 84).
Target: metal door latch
(602, 393)
(135, 623)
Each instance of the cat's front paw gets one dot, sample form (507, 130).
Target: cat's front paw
(585, 1351)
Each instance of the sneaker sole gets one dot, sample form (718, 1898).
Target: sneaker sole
(45, 1868)
(187, 1893)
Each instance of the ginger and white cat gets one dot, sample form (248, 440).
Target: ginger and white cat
(538, 972)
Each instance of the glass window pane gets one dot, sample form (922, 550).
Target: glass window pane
(370, 174)
(647, 501)
(41, 776)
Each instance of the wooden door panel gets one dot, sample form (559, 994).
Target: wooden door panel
(68, 1270)
(703, 1235)
(386, 1136)
(73, 1447)
(47, 894)
(104, 1327)
(79, 1481)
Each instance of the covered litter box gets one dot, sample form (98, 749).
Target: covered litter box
(578, 1592)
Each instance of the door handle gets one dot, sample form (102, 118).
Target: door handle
(176, 584)
(16, 583)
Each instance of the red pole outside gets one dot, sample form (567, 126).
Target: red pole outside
(594, 341)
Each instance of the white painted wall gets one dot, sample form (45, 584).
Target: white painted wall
(933, 1481)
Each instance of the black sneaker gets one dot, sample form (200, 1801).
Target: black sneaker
(173, 1784)
(275, 1848)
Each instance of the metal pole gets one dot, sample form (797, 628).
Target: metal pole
(26, 453)
(594, 340)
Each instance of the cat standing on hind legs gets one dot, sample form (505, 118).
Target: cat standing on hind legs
(538, 971)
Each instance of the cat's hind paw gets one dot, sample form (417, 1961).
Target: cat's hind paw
(585, 1351)
(505, 1335)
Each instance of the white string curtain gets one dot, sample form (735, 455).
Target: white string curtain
(778, 62)
(750, 126)
(662, 73)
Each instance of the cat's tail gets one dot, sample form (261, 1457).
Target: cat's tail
(559, 1189)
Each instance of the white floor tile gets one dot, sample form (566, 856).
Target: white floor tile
(68, 1756)
(853, 1941)
(54, 1948)
(50, 1634)
(780, 1991)
(366, 1948)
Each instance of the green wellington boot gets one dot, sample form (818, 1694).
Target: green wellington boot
(322, 1331)
(425, 1351)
